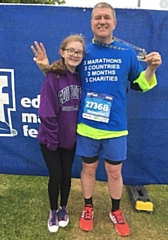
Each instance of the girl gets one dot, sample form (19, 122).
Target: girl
(58, 110)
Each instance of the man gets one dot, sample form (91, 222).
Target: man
(102, 121)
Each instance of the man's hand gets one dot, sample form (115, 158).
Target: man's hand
(40, 58)
(153, 60)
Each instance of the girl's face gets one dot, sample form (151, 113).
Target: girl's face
(73, 55)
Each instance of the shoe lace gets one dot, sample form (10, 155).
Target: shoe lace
(119, 217)
(88, 212)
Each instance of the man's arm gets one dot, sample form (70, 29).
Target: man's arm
(153, 60)
(147, 79)
(40, 57)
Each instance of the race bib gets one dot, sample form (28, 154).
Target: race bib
(97, 107)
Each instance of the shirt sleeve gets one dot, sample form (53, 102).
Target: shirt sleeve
(142, 85)
(48, 112)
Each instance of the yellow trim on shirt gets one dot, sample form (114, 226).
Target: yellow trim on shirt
(98, 134)
(143, 84)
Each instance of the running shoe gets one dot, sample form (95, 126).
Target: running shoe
(86, 220)
(120, 223)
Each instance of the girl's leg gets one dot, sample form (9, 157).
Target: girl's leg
(67, 157)
(53, 163)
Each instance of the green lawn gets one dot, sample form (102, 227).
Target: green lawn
(24, 211)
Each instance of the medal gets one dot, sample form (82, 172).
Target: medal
(141, 55)
(141, 51)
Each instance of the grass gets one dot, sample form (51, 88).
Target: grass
(24, 211)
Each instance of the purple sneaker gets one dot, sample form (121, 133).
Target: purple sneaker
(63, 217)
(53, 223)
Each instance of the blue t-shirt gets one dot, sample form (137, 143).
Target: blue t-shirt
(104, 73)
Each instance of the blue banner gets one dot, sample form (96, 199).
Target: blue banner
(21, 80)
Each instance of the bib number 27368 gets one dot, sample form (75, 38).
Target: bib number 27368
(97, 107)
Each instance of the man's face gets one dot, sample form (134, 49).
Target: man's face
(103, 24)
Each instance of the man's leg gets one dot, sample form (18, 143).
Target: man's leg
(114, 152)
(115, 185)
(115, 182)
(88, 178)
(89, 166)
(89, 149)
